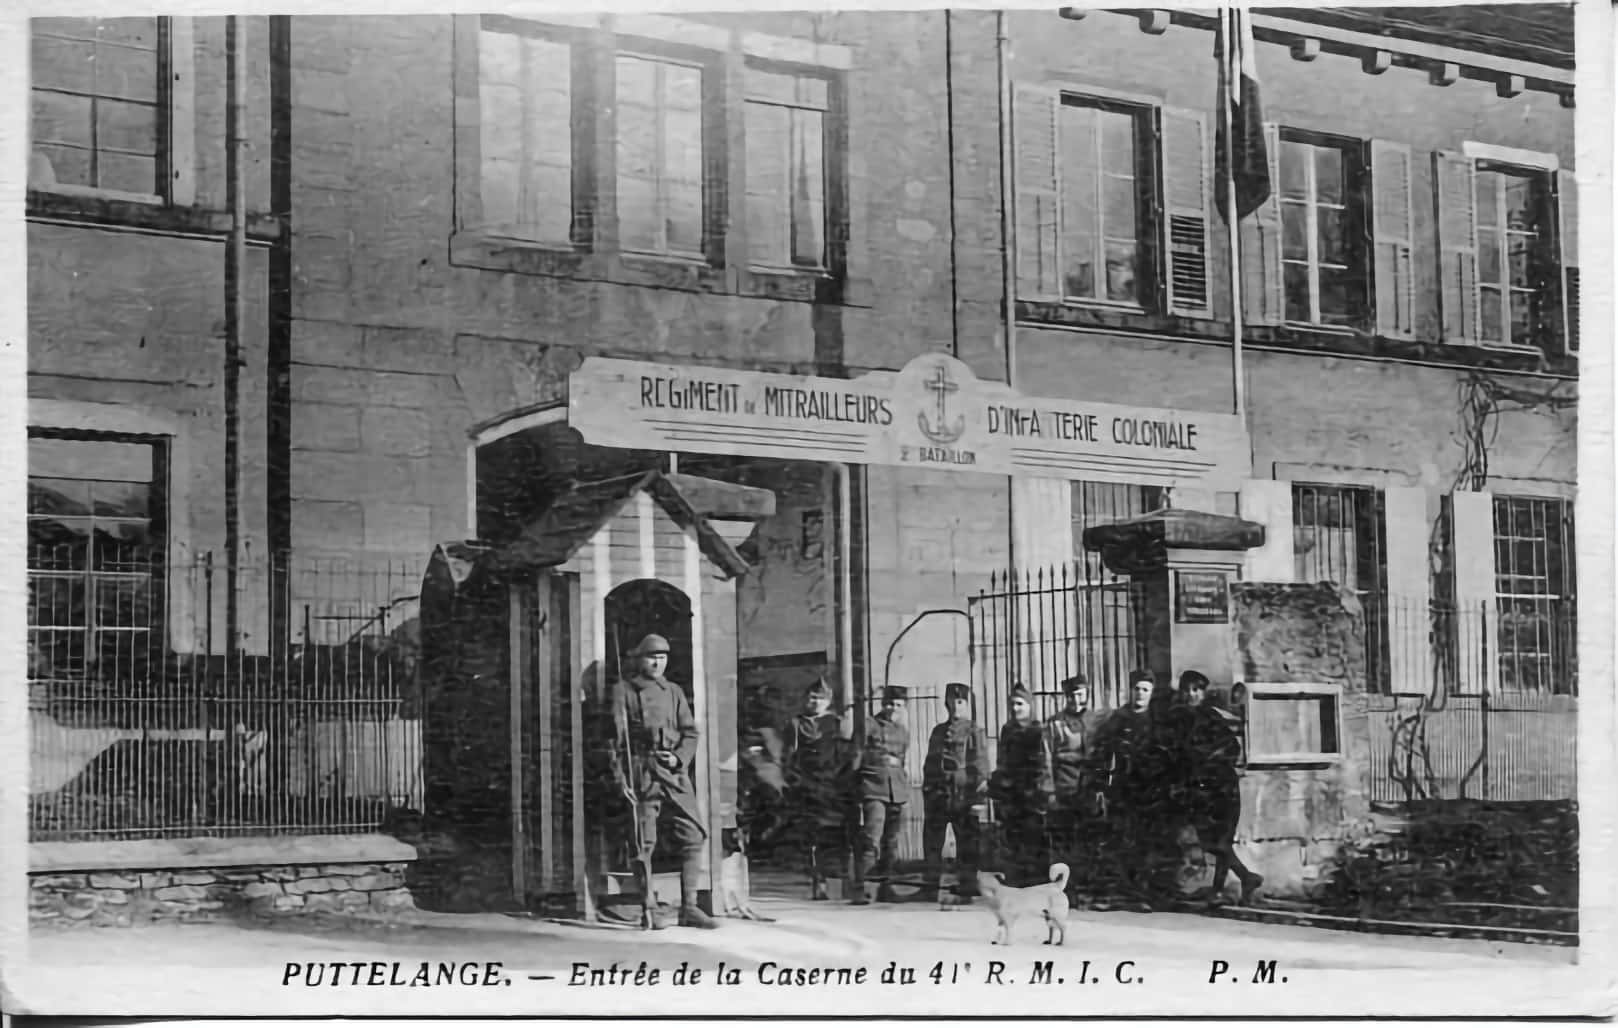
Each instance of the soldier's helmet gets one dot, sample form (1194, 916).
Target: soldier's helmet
(957, 691)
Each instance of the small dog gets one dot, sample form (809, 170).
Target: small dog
(1008, 904)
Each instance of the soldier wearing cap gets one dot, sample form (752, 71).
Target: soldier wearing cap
(1022, 790)
(1213, 799)
(954, 783)
(656, 742)
(1077, 800)
(1125, 741)
(815, 755)
(882, 788)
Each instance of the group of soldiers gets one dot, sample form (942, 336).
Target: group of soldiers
(1106, 792)
(1098, 791)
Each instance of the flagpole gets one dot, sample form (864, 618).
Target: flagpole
(1228, 71)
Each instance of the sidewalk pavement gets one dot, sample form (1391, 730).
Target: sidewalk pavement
(801, 932)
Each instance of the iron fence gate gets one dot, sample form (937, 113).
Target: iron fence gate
(144, 723)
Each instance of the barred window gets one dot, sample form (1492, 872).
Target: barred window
(95, 540)
(1534, 594)
(1339, 537)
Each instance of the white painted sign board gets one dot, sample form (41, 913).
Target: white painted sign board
(933, 413)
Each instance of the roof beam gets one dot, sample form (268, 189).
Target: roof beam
(1378, 52)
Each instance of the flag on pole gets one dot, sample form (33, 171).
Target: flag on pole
(1241, 124)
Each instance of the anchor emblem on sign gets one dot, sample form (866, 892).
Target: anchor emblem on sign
(943, 433)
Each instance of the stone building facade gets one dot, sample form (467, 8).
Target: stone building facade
(448, 215)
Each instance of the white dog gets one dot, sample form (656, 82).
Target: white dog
(1008, 904)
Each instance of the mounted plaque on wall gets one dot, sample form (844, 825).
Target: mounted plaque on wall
(1201, 598)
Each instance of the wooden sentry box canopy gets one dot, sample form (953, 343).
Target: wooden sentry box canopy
(519, 644)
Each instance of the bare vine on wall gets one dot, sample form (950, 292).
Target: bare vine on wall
(1482, 399)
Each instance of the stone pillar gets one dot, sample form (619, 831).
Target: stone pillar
(1181, 564)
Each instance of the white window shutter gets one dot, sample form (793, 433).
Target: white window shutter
(1270, 504)
(1187, 173)
(1042, 523)
(1455, 179)
(1472, 561)
(1567, 197)
(1392, 236)
(1404, 511)
(182, 120)
(1036, 129)
(1262, 299)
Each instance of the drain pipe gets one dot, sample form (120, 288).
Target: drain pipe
(1008, 242)
(235, 259)
(845, 593)
(1008, 199)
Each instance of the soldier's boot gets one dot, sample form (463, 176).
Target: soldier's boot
(1251, 883)
(691, 915)
(928, 892)
(652, 919)
(859, 891)
(885, 894)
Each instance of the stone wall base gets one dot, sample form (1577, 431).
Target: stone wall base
(126, 897)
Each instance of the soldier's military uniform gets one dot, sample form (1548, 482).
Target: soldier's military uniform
(1077, 802)
(954, 781)
(816, 754)
(1125, 741)
(1022, 793)
(655, 742)
(882, 789)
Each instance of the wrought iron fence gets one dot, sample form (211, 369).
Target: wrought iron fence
(1483, 703)
(145, 721)
(1036, 628)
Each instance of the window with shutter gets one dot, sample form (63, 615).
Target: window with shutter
(1519, 282)
(1392, 235)
(1087, 218)
(1105, 188)
(1186, 178)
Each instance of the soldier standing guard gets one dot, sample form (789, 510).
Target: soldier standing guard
(954, 782)
(655, 741)
(1022, 790)
(882, 789)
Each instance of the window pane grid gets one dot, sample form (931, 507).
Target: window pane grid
(97, 95)
(786, 172)
(1099, 210)
(94, 562)
(1533, 595)
(660, 169)
(1315, 219)
(1509, 234)
(525, 136)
